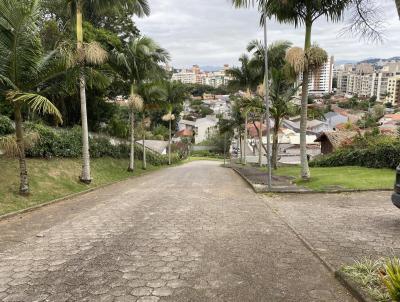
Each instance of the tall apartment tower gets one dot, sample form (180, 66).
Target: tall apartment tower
(321, 80)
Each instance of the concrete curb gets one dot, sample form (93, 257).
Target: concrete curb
(358, 292)
(261, 188)
(77, 194)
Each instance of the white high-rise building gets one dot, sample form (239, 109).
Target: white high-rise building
(320, 81)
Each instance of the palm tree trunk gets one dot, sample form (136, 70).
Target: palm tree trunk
(305, 170)
(85, 176)
(260, 142)
(275, 145)
(169, 142)
(144, 163)
(24, 181)
(240, 147)
(132, 152)
(245, 139)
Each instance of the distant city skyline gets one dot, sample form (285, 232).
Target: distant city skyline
(213, 33)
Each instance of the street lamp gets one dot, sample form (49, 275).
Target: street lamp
(266, 97)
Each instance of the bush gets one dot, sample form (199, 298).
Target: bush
(67, 143)
(6, 125)
(366, 151)
(206, 153)
(391, 278)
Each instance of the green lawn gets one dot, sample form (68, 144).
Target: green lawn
(356, 178)
(51, 179)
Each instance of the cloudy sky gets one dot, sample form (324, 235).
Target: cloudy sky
(212, 32)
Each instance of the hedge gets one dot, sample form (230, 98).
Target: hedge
(383, 154)
(67, 143)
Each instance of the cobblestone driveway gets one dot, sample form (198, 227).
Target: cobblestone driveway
(188, 233)
(344, 227)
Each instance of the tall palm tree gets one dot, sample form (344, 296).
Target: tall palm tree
(175, 96)
(141, 8)
(152, 94)
(301, 12)
(244, 77)
(23, 68)
(305, 12)
(282, 91)
(135, 104)
(137, 63)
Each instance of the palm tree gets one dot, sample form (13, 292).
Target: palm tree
(175, 96)
(276, 55)
(23, 68)
(141, 8)
(138, 62)
(135, 104)
(244, 77)
(152, 94)
(282, 91)
(298, 13)
(301, 12)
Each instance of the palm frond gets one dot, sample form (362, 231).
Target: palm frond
(36, 102)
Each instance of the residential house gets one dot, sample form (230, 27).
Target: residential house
(334, 118)
(202, 128)
(159, 147)
(332, 140)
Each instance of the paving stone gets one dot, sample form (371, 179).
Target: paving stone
(194, 232)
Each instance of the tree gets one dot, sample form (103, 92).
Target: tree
(244, 77)
(304, 12)
(137, 63)
(140, 8)
(304, 62)
(276, 56)
(175, 96)
(23, 69)
(282, 91)
(152, 94)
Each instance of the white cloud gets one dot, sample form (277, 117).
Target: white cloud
(212, 32)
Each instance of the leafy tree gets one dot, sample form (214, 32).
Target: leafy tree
(23, 69)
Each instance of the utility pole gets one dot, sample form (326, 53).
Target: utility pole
(266, 85)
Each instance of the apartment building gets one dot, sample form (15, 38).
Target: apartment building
(363, 80)
(393, 90)
(196, 76)
(320, 81)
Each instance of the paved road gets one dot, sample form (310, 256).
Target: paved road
(344, 227)
(190, 233)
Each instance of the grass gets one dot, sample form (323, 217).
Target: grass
(351, 178)
(366, 274)
(51, 179)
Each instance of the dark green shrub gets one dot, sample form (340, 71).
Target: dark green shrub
(380, 152)
(68, 143)
(6, 125)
